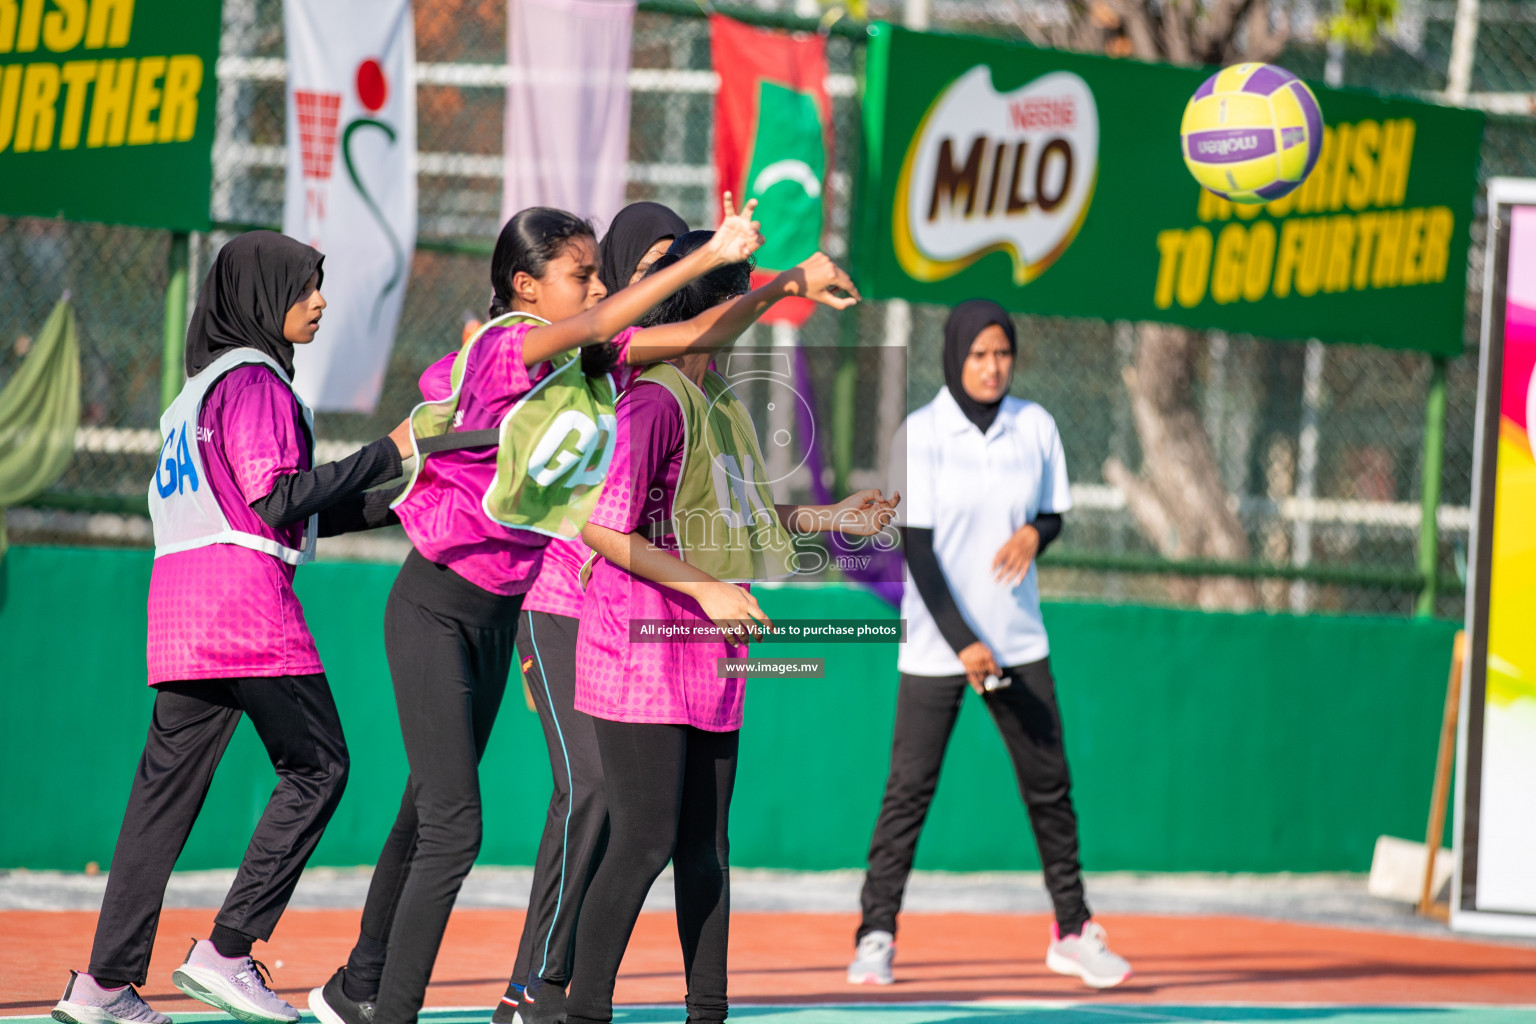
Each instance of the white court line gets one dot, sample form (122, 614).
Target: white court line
(1144, 1015)
(1140, 1010)
(430, 1013)
(1145, 1010)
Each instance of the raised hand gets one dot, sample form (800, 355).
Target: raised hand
(738, 235)
(822, 281)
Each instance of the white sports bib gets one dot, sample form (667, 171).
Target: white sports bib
(182, 506)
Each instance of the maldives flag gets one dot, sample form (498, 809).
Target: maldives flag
(773, 141)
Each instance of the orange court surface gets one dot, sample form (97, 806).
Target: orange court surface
(950, 967)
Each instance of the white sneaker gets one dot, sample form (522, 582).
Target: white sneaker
(872, 960)
(1087, 956)
(232, 984)
(87, 1002)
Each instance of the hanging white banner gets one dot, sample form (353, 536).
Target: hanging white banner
(351, 184)
(567, 133)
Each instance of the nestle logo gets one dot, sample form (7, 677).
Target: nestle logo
(1040, 112)
(1221, 147)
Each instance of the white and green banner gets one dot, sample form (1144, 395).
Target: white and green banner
(351, 184)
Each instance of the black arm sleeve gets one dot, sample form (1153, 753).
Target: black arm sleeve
(297, 496)
(367, 511)
(934, 589)
(1048, 525)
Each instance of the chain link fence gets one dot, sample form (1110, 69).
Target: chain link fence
(1320, 447)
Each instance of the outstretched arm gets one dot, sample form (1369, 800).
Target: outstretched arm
(735, 240)
(297, 496)
(367, 511)
(817, 279)
(861, 514)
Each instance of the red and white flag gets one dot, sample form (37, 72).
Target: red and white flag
(351, 184)
(773, 141)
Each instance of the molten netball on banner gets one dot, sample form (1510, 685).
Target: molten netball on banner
(1252, 133)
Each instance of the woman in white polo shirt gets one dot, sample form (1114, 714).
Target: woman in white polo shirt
(985, 482)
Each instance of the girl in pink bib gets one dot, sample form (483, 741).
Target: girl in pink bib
(236, 504)
(576, 822)
(480, 511)
(667, 718)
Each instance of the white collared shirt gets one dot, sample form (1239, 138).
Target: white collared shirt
(974, 491)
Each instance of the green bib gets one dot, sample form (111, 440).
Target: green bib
(722, 514)
(553, 446)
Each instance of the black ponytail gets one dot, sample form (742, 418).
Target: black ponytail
(528, 243)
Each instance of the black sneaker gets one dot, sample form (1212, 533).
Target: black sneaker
(543, 1003)
(330, 1003)
(509, 1008)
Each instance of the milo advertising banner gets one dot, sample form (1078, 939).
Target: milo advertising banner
(106, 110)
(1054, 184)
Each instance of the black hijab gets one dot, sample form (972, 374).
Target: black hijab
(635, 229)
(966, 321)
(254, 280)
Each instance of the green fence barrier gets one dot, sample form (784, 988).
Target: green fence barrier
(1198, 741)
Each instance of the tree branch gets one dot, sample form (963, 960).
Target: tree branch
(1176, 32)
(1181, 31)
(1264, 43)
(1034, 33)
(1139, 27)
(1145, 506)
(1214, 36)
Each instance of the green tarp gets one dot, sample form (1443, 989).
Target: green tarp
(39, 411)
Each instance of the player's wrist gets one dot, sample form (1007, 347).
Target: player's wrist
(789, 282)
(702, 260)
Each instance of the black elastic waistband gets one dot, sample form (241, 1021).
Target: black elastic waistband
(459, 439)
(444, 591)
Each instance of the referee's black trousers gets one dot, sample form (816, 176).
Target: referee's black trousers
(1030, 724)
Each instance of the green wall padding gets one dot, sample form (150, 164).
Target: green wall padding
(1198, 741)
